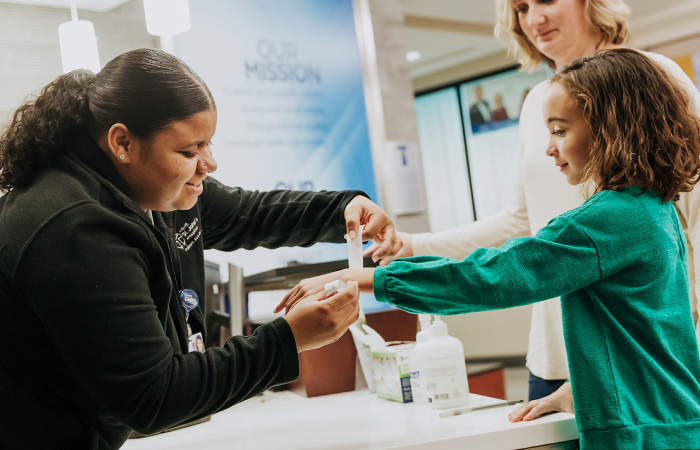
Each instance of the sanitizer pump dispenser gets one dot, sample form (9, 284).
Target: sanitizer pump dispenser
(444, 369)
(418, 385)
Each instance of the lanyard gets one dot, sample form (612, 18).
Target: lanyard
(188, 297)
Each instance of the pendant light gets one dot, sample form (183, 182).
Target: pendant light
(167, 17)
(78, 43)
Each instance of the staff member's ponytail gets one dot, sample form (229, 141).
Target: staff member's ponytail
(145, 90)
(41, 127)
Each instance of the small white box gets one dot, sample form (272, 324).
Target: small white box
(390, 365)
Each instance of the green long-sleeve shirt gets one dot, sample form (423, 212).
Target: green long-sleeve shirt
(619, 264)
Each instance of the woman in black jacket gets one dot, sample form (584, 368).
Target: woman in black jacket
(107, 211)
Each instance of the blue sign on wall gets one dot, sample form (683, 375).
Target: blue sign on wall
(287, 79)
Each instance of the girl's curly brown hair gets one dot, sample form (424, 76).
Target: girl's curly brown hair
(644, 126)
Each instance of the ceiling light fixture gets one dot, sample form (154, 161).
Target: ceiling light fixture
(78, 43)
(167, 17)
(413, 56)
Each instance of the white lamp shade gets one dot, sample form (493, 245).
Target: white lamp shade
(78, 46)
(167, 17)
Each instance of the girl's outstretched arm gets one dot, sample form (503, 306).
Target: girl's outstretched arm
(312, 286)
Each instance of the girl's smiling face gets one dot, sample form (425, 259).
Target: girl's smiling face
(570, 134)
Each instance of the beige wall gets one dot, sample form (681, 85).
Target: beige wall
(391, 112)
(29, 51)
(463, 71)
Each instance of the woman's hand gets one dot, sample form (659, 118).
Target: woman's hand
(312, 287)
(559, 400)
(316, 321)
(378, 226)
(406, 250)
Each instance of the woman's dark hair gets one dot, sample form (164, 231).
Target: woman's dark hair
(145, 89)
(644, 125)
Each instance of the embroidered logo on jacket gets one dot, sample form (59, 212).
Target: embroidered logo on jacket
(187, 235)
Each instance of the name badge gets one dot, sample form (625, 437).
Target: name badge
(196, 343)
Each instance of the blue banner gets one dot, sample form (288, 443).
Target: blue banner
(287, 79)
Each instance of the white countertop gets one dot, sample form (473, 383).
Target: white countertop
(358, 420)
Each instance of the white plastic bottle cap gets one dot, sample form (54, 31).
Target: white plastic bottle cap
(438, 328)
(424, 320)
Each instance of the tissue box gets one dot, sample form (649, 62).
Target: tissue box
(390, 366)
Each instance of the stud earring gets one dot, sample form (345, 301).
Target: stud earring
(122, 156)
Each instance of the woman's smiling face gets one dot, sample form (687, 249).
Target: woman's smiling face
(557, 28)
(165, 171)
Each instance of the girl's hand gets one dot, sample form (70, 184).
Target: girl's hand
(308, 287)
(311, 287)
(559, 400)
(406, 250)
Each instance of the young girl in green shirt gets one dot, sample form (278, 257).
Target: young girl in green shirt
(621, 128)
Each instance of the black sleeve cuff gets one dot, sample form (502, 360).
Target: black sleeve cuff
(290, 349)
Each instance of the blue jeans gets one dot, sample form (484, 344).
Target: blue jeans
(539, 387)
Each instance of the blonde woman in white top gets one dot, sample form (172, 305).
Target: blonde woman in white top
(554, 32)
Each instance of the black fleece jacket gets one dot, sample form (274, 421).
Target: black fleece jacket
(93, 331)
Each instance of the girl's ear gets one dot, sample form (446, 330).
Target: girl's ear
(121, 143)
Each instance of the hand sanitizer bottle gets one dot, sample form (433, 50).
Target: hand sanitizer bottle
(444, 370)
(420, 395)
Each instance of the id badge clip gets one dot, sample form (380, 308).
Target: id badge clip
(190, 300)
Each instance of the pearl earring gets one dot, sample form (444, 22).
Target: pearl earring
(122, 156)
